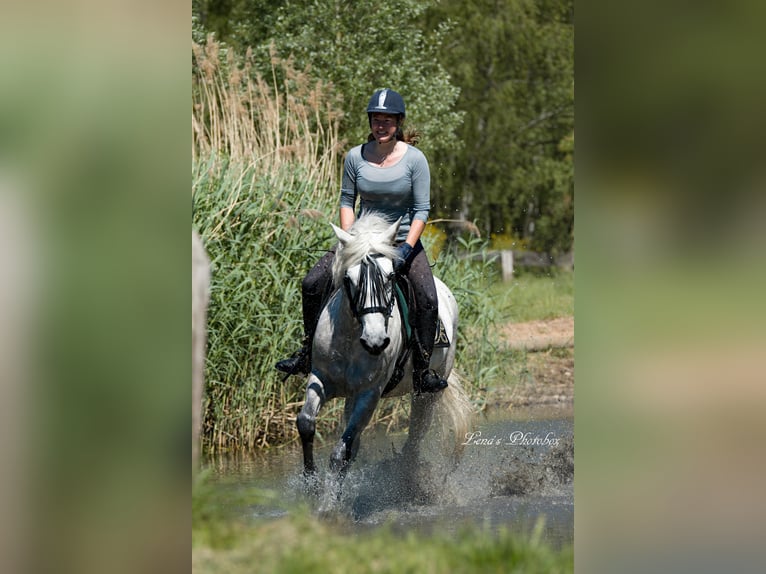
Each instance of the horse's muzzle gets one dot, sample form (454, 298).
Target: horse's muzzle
(375, 349)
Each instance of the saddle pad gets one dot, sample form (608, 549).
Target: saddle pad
(440, 340)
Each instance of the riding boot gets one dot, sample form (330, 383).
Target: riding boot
(425, 379)
(299, 361)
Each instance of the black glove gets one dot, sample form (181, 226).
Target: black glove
(403, 253)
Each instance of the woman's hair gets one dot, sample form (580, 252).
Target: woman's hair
(411, 136)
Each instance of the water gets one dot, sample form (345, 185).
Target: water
(517, 467)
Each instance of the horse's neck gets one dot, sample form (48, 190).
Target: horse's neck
(342, 318)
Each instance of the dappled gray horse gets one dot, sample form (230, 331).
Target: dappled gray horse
(358, 340)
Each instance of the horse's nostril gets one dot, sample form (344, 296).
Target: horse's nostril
(375, 349)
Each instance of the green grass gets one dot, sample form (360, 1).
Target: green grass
(303, 544)
(530, 297)
(489, 367)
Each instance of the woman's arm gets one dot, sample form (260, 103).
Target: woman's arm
(347, 218)
(416, 230)
(421, 193)
(348, 191)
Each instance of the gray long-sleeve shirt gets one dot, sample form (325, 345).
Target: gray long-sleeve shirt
(401, 190)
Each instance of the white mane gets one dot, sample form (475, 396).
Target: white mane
(368, 234)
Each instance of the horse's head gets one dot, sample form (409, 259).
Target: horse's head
(364, 264)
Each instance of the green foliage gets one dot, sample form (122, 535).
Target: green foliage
(469, 272)
(263, 178)
(514, 63)
(260, 248)
(359, 47)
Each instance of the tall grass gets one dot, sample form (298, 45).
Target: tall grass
(470, 279)
(285, 120)
(299, 543)
(264, 176)
(266, 159)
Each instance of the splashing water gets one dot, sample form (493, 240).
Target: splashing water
(513, 470)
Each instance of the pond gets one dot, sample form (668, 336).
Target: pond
(516, 471)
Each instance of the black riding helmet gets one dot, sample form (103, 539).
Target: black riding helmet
(386, 101)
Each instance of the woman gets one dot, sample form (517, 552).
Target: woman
(393, 179)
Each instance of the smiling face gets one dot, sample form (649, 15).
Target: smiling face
(384, 126)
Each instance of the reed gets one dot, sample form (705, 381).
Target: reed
(241, 118)
(264, 174)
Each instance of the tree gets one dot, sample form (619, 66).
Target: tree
(514, 64)
(358, 46)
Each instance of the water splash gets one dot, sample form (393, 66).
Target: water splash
(494, 486)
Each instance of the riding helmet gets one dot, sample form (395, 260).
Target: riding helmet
(386, 101)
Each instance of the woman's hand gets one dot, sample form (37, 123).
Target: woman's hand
(403, 253)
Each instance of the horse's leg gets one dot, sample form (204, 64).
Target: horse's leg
(306, 422)
(421, 415)
(358, 415)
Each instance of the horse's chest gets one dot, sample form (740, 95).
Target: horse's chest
(348, 372)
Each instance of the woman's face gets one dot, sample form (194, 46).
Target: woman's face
(384, 127)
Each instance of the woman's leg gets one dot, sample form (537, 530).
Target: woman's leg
(315, 288)
(426, 316)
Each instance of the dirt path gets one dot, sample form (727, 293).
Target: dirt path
(548, 377)
(540, 335)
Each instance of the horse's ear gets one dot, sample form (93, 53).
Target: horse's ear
(343, 236)
(390, 234)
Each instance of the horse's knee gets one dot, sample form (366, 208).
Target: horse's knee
(306, 425)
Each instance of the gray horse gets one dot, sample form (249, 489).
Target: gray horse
(358, 340)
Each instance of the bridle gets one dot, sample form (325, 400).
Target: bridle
(374, 287)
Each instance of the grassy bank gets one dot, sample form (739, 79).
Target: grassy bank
(534, 296)
(517, 376)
